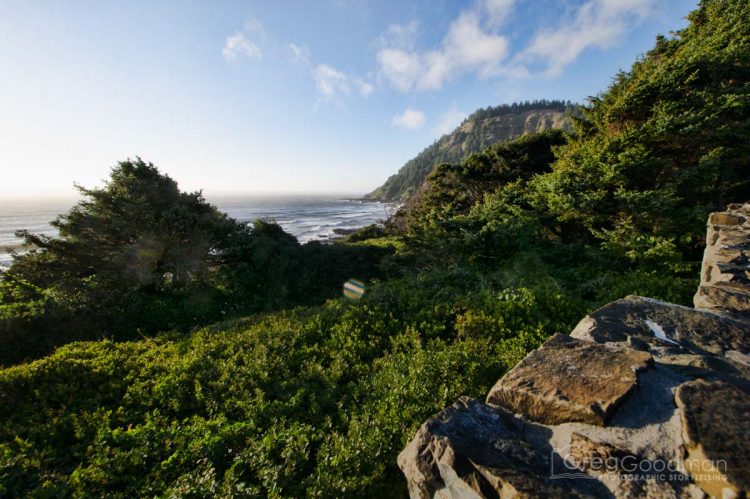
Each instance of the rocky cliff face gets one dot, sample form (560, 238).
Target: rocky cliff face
(473, 135)
(494, 129)
(643, 398)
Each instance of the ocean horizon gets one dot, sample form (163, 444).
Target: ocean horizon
(308, 217)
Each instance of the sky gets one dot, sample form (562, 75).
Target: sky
(324, 96)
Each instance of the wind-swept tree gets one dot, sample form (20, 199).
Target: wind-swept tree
(136, 255)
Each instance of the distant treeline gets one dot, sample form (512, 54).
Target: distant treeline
(520, 107)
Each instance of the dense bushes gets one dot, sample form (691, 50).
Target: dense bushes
(631, 188)
(665, 145)
(306, 402)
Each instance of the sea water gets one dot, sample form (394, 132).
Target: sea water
(308, 218)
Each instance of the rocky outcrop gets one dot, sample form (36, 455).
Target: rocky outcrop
(652, 323)
(475, 450)
(644, 398)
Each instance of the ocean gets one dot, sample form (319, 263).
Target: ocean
(308, 218)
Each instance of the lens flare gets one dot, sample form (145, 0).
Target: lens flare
(354, 289)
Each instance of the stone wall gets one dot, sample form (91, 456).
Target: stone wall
(643, 398)
(725, 276)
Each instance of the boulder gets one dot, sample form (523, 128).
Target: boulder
(728, 298)
(716, 432)
(663, 324)
(726, 218)
(570, 380)
(473, 450)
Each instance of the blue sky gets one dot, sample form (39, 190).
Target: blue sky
(285, 96)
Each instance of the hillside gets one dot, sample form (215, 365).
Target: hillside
(482, 129)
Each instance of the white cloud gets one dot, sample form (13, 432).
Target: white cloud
(466, 47)
(410, 118)
(333, 85)
(365, 88)
(330, 82)
(403, 69)
(238, 45)
(448, 121)
(245, 43)
(498, 10)
(596, 23)
(300, 53)
(400, 35)
(469, 47)
(473, 44)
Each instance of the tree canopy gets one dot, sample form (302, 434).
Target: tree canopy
(138, 256)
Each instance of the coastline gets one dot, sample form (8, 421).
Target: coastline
(322, 219)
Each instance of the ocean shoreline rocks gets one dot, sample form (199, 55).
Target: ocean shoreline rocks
(643, 398)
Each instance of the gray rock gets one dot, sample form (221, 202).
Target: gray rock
(663, 324)
(726, 218)
(473, 450)
(728, 298)
(725, 275)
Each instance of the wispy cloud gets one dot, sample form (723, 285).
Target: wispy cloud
(474, 43)
(254, 28)
(410, 118)
(330, 82)
(403, 36)
(498, 11)
(237, 45)
(300, 53)
(466, 47)
(401, 68)
(365, 88)
(596, 23)
(334, 85)
(245, 43)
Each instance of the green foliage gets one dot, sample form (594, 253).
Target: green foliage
(664, 145)
(313, 402)
(368, 232)
(487, 188)
(629, 190)
(138, 257)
